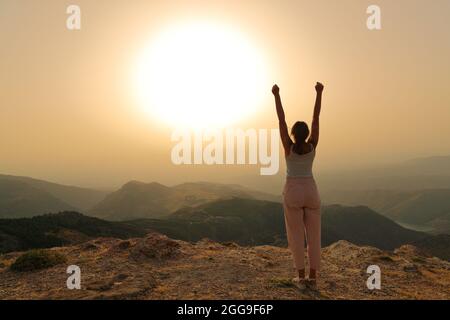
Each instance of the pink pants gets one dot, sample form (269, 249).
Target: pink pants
(301, 202)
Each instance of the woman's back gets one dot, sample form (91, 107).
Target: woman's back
(300, 165)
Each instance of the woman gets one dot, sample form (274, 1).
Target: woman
(301, 199)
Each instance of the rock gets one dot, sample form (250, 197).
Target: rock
(123, 293)
(155, 246)
(230, 244)
(120, 277)
(331, 284)
(410, 268)
(100, 286)
(89, 246)
(123, 245)
(383, 258)
(410, 250)
(209, 244)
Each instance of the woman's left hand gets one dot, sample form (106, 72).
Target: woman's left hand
(319, 87)
(275, 90)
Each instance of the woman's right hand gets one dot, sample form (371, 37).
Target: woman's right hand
(319, 87)
(275, 90)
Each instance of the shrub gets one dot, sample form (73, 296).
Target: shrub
(37, 260)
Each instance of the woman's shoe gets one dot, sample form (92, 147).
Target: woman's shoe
(299, 283)
(311, 284)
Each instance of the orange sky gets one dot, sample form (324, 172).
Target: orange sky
(68, 112)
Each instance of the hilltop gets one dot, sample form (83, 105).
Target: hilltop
(157, 267)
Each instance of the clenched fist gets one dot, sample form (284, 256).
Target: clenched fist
(275, 90)
(319, 87)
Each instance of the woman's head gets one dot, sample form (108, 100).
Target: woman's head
(300, 131)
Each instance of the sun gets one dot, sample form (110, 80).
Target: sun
(200, 75)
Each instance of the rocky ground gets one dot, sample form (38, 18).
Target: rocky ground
(156, 267)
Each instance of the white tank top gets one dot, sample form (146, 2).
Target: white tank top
(300, 165)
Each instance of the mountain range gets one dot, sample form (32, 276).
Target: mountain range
(426, 210)
(154, 200)
(26, 197)
(381, 207)
(244, 221)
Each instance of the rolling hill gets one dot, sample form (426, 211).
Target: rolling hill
(154, 200)
(426, 209)
(363, 226)
(255, 222)
(76, 197)
(19, 199)
(52, 230)
(422, 207)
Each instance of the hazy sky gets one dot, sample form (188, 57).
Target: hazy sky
(69, 114)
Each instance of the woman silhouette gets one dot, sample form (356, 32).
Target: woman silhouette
(301, 199)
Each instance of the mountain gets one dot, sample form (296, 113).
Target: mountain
(153, 200)
(427, 209)
(440, 225)
(255, 222)
(19, 199)
(363, 226)
(157, 267)
(437, 246)
(60, 229)
(422, 207)
(244, 221)
(135, 199)
(75, 197)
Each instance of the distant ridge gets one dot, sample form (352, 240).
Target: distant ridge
(427, 208)
(76, 197)
(141, 200)
(19, 199)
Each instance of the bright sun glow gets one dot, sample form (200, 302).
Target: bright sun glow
(200, 75)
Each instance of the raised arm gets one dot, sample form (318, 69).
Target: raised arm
(314, 138)
(284, 134)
